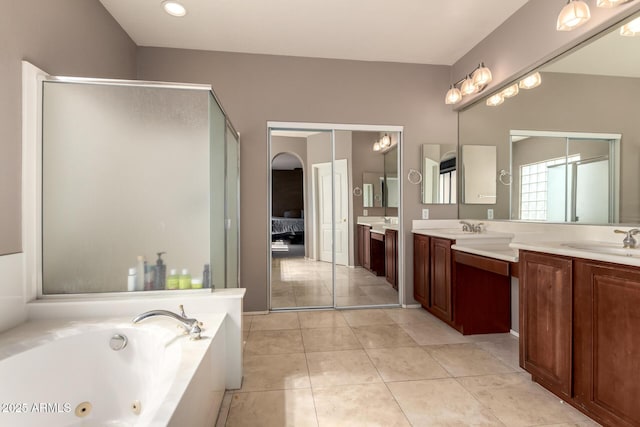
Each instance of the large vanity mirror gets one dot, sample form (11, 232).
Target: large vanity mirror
(567, 150)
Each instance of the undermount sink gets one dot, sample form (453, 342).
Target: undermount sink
(605, 248)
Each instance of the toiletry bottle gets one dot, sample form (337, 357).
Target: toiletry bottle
(185, 279)
(149, 276)
(140, 274)
(161, 273)
(206, 277)
(173, 279)
(131, 283)
(196, 283)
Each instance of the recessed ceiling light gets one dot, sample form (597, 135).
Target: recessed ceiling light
(174, 8)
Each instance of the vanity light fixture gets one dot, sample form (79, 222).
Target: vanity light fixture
(473, 82)
(495, 100)
(376, 146)
(385, 141)
(468, 87)
(482, 76)
(610, 3)
(174, 8)
(631, 29)
(531, 81)
(510, 91)
(453, 95)
(572, 15)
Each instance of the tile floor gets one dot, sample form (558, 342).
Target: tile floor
(301, 282)
(383, 367)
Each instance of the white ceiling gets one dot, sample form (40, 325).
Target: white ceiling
(412, 31)
(611, 55)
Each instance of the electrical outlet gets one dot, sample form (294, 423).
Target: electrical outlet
(425, 213)
(365, 212)
(489, 213)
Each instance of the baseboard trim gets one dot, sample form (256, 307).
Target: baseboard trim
(514, 333)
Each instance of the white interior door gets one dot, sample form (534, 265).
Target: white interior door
(342, 211)
(325, 203)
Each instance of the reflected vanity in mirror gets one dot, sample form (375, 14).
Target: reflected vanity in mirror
(584, 142)
(439, 174)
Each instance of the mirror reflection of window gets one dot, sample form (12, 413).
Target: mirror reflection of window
(367, 195)
(447, 181)
(439, 162)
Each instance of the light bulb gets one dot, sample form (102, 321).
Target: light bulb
(453, 96)
(376, 146)
(174, 8)
(572, 15)
(495, 100)
(631, 29)
(482, 76)
(531, 81)
(510, 91)
(468, 87)
(610, 3)
(386, 141)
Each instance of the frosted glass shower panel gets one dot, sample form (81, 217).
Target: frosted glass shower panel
(125, 174)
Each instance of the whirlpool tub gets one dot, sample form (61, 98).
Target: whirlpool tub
(65, 373)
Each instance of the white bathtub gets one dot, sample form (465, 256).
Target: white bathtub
(48, 369)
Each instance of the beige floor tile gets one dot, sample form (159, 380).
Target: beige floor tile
(506, 350)
(441, 402)
(340, 368)
(223, 413)
(405, 364)
(428, 333)
(462, 360)
(275, 372)
(321, 319)
(367, 317)
(275, 321)
(329, 339)
(246, 322)
(314, 301)
(383, 336)
(283, 302)
(353, 301)
(274, 342)
(282, 408)
(517, 401)
(410, 315)
(358, 405)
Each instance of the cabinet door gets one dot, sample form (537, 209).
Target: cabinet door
(366, 243)
(421, 269)
(607, 341)
(440, 283)
(360, 237)
(391, 257)
(546, 319)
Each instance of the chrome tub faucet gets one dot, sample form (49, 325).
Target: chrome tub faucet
(191, 326)
(629, 241)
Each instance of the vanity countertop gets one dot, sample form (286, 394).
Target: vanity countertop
(458, 234)
(587, 249)
(501, 251)
(377, 230)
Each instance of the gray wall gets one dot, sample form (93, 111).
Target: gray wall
(62, 37)
(258, 88)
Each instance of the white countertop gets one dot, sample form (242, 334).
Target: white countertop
(501, 251)
(562, 248)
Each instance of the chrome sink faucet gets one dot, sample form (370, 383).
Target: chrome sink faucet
(191, 326)
(473, 228)
(629, 241)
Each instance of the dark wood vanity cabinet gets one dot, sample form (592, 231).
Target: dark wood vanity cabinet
(364, 246)
(421, 262)
(391, 257)
(546, 319)
(440, 279)
(607, 341)
(371, 250)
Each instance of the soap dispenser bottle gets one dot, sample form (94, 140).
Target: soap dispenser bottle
(161, 273)
(140, 273)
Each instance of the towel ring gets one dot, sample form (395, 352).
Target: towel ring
(503, 174)
(357, 192)
(414, 177)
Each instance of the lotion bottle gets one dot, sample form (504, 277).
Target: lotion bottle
(185, 279)
(131, 283)
(173, 280)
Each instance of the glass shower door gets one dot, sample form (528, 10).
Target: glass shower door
(232, 204)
